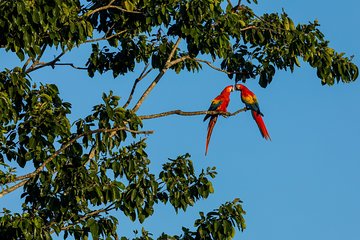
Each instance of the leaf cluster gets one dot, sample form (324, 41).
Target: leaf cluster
(28, 26)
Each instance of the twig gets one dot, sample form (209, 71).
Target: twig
(91, 12)
(36, 61)
(247, 28)
(168, 64)
(123, 10)
(212, 66)
(195, 113)
(229, 2)
(26, 64)
(173, 51)
(64, 146)
(85, 216)
(176, 61)
(141, 77)
(110, 6)
(37, 65)
(71, 65)
(41, 53)
(105, 38)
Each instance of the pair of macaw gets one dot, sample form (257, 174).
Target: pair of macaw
(221, 102)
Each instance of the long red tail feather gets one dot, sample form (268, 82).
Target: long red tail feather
(211, 125)
(260, 122)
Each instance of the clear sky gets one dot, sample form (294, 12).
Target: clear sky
(304, 184)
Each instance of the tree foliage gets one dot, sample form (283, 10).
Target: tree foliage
(84, 171)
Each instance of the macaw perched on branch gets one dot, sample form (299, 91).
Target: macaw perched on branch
(219, 103)
(250, 100)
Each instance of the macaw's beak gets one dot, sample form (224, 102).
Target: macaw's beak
(238, 87)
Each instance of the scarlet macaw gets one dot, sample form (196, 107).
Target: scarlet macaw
(250, 100)
(219, 103)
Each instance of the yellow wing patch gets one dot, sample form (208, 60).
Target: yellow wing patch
(249, 99)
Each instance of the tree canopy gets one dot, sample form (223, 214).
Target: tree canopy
(85, 170)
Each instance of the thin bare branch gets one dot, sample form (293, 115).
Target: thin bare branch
(13, 188)
(195, 113)
(91, 12)
(71, 65)
(248, 27)
(168, 64)
(36, 61)
(229, 2)
(176, 61)
(171, 55)
(123, 9)
(105, 38)
(143, 74)
(212, 66)
(149, 89)
(37, 65)
(85, 216)
(41, 53)
(110, 6)
(63, 147)
(26, 64)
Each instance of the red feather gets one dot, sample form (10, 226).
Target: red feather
(219, 103)
(260, 122)
(211, 125)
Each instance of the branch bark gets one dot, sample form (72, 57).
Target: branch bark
(143, 74)
(106, 38)
(195, 113)
(71, 65)
(110, 6)
(85, 216)
(37, 65)
(168, 64)
(212, 66)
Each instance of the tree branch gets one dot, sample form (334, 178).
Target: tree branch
(37, 65)
(110, 6)
(141, 77)
(122, 9)
(26, 64)
(91, 12)
(248, 27)
(85, 216)
(176, 61)
(71, 65)
(13, 188)
(36, 61)
(212, 66)
(195, 113)
(105, 38)
(173, 51)
(63, 147)
(168, 64)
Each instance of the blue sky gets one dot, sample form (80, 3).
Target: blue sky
(304, 184)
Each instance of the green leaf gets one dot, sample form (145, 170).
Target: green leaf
(20, 55)
(94, 228)
(129, 6)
